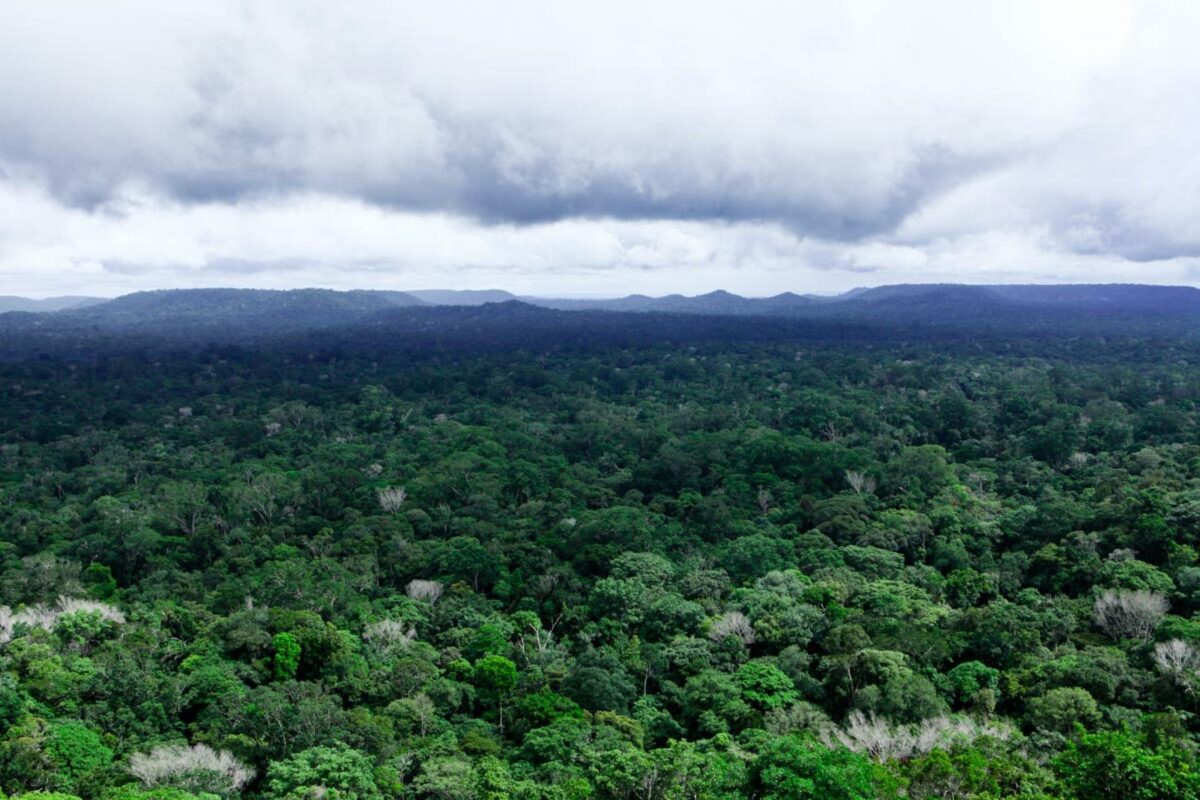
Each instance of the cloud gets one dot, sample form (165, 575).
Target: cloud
(279, 141)
(138, 241)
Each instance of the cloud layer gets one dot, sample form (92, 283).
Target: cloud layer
(571, 149)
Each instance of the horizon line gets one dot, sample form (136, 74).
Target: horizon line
(596, 297)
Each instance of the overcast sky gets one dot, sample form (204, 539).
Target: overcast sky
(564, 148)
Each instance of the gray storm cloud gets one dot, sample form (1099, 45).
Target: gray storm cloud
(873, 136)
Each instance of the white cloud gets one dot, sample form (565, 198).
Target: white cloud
(593, 148)
(147, 241)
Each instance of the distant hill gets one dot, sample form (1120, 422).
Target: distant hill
(283, 310)
(461, 297)
(719, 302)
(910, 301)
(13, 303)
(908, 291)
(302, 308)
(633, 302)
(248, 310)
(194, 316)
(936, 304)
(1106, 297)
(1083, 297)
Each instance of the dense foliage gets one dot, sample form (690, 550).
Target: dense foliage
(758, 569)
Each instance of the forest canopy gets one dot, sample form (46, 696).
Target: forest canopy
(779, 566)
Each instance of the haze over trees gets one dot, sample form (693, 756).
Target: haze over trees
(504, 551)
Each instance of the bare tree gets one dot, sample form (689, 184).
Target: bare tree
(44, 616)
(1174, 656)
(533, 639)
(1129, 615)
(38, 615)
(195, 769)
(1179, 661)
(943, 731)
(429, 591)
(392, 498)
(79, 605)
(860, 483)
(732, 623)
(876, 737)
(884, 741)
(390, 634)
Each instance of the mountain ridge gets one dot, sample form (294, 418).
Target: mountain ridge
(47, 304)
(961, 305)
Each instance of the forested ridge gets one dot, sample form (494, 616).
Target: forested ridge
(789, 566)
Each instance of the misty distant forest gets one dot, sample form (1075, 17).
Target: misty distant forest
(923, 542)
